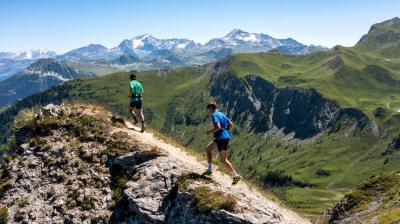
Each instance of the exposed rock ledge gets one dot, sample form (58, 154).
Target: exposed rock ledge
(72, 170)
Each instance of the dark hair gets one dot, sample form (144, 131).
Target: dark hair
(212, 105)
(132, 76)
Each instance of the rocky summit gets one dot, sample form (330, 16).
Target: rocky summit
(81, 164)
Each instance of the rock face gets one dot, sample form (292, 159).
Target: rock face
(261, 105)
(264, 108)
(77, 164)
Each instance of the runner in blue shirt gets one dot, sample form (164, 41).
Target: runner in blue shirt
(222, 137)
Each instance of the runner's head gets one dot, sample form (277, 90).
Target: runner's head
(211, 107)
(133, 75)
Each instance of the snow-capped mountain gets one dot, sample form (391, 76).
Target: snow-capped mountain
(148, 52)
(90, 52)
(145, 44)
(243, 42)
(28, 55)
(147, 47)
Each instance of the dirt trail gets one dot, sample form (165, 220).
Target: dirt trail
(191, 163)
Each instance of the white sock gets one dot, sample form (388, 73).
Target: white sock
(209, 167)
(234, 174)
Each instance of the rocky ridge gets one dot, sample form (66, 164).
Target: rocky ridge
(80, 164)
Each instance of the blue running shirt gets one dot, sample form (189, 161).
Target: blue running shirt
(218, 117)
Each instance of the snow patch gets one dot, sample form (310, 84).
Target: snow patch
(137, 43)
(251, 37)
(48, 74)
(182, 46)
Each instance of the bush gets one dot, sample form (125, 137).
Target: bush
(323, 173)
(205, 200)
(71, 204)
(60, 178)
(18, 216)
(88, 202)
(24, 202)
(186, 179)
(50, 193)
(118, 195)
(5, 186)
(277, 178)
(25, 119)
(3, 215)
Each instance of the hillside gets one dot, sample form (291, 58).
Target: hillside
(309, 128)
(383, 38)
(374, 201)
(81, 164)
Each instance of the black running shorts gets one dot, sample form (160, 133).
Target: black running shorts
(222, 144)
(137, 104)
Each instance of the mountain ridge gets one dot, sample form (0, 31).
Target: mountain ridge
(122, 176)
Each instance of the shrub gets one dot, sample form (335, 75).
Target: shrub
(50, 193)
(186, 179)
(60, 178)
(25, 119)
(18, 216)
(73, 195)
(117, 145)
(24, 202)
(118, 195)
(4, 186)
(205, 200)
(3, 215)
(45, 125)
(82, 170)
(323, 173)
(88, 202)
(71, 204)
(277, 178)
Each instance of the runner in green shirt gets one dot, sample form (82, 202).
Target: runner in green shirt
(136, 99)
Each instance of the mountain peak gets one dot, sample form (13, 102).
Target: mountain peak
(236, 34)
(391, 24)
(383, 38)
(145, 36)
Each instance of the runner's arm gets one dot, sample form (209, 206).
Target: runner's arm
(230, 125)
(130, 93)
(216, 128)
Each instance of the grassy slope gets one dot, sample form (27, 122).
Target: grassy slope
(361, 202)
(348, 159)
(313, 71)
(160, 87)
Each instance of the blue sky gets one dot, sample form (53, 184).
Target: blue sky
(63, 25)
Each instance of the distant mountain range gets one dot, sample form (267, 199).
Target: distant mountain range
(148, 48)
(146, 52)
(39, 76)
(27, 55)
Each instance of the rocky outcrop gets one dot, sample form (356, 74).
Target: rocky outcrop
(261, 106)
(264, 108)
(374, 201)
(79, 165)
